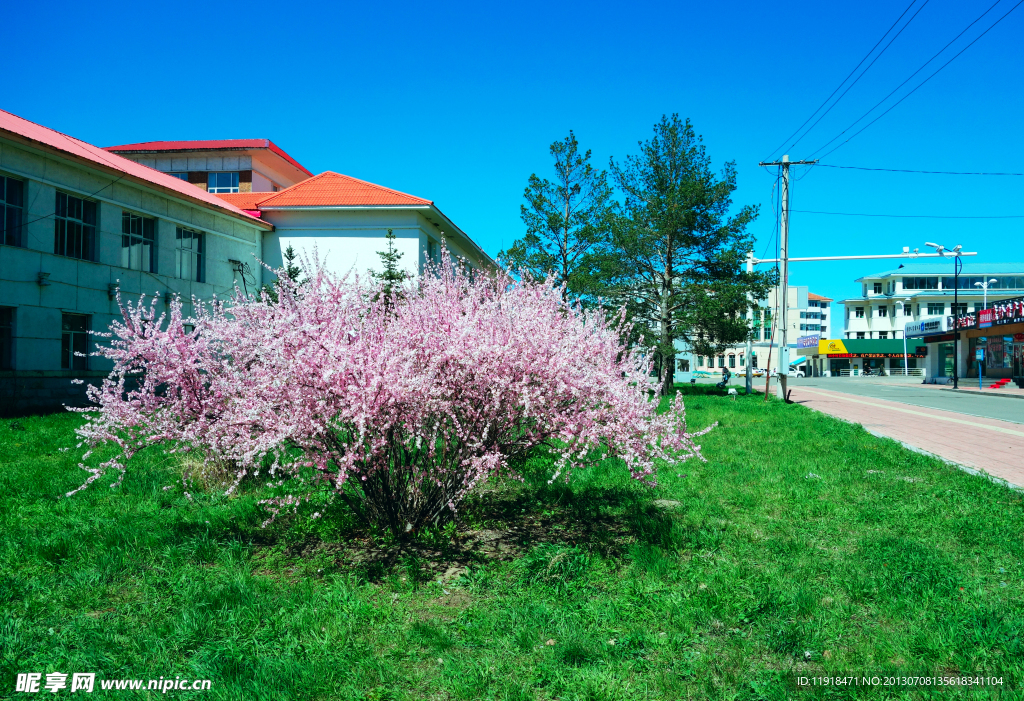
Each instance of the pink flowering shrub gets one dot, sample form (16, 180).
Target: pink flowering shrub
(399, 406)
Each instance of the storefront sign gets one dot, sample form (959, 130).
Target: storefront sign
(877, 355)
(927, 327)
(808, 341)
(921, 350)
(832, 347)
(979, 354)
(1009, 311)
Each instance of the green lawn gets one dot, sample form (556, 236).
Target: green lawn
(803, 545)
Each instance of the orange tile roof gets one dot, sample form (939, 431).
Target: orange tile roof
(245, 200)
(818, 298)
(331, 189)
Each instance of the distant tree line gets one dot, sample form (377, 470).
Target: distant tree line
(658, 235)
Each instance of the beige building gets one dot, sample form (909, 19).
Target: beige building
(807, 315)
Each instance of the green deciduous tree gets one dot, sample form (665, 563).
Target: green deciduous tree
(677, 252)
(568, 220)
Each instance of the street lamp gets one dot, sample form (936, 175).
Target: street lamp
(957, 266)
(984, 288)
(903, 306)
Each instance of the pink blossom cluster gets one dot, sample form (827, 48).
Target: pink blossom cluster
(400, 406)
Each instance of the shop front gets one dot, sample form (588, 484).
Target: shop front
(995, 341)
(855, 357)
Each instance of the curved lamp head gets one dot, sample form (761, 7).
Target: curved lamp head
(993, 281)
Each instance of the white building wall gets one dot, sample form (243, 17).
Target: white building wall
(348, 240)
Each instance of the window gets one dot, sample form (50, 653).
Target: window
(936, 308)
(767, 318)
(878, 288)
(431, 250)
(188, 255)
(700, 361)
(883, 334)
(6, 338)
(222, 182)
(858, 312)
(721, 361)
(908, 310)
(138, 249)
(74, 339)
(12, 199)
(962, 307)
(860, 334)
(179, 176)
(74, 228)
(732, 361)
(923, 283)
(883, 311)
(743, 361)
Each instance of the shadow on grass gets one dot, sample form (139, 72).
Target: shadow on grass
(601, 513)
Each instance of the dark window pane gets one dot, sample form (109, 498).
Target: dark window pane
(12, 233)
(15, 192)
(65, 351)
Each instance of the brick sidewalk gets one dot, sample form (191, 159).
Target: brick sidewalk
(989, 445)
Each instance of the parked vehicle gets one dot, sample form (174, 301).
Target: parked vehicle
(757, 372)
(793, 372)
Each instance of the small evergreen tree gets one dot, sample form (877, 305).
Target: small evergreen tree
(393, 277)
(289, 270)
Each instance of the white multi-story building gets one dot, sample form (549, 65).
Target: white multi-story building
(807, 315)
(889, 300)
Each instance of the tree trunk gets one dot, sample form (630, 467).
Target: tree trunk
(668, 349)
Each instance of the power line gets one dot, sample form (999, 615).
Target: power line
(919, 85)
(850, 86)
(843, 82)
(906, 216)
(901, 170)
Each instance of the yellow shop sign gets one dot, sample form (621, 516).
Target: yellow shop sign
(828, 347)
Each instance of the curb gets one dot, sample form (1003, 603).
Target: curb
(984, 393)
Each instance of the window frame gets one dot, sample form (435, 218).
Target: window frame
(196, 256)
(129, 237)
(7, 320)
(63, 224)
(213, 175)
(74, 341)
(9, 212)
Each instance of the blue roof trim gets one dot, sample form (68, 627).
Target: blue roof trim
(942, 269)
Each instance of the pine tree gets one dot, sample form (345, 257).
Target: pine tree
(392, 279)
(289, 270)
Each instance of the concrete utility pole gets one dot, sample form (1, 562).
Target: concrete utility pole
(784, 273)
(750, 341)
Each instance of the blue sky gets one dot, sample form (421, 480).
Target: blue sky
(459, 102)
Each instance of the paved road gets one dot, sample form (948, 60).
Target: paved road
(1003, 408)
(985, 444)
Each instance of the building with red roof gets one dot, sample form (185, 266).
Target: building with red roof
(345, 220)
(188, 218)
(220, 165)
(77, 223)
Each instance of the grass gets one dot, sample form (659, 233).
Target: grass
(804, 545)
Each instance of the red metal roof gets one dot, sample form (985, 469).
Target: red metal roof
(331, 189)
(818, 298)
(245, 200)
(75, 147)
(207, 145)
